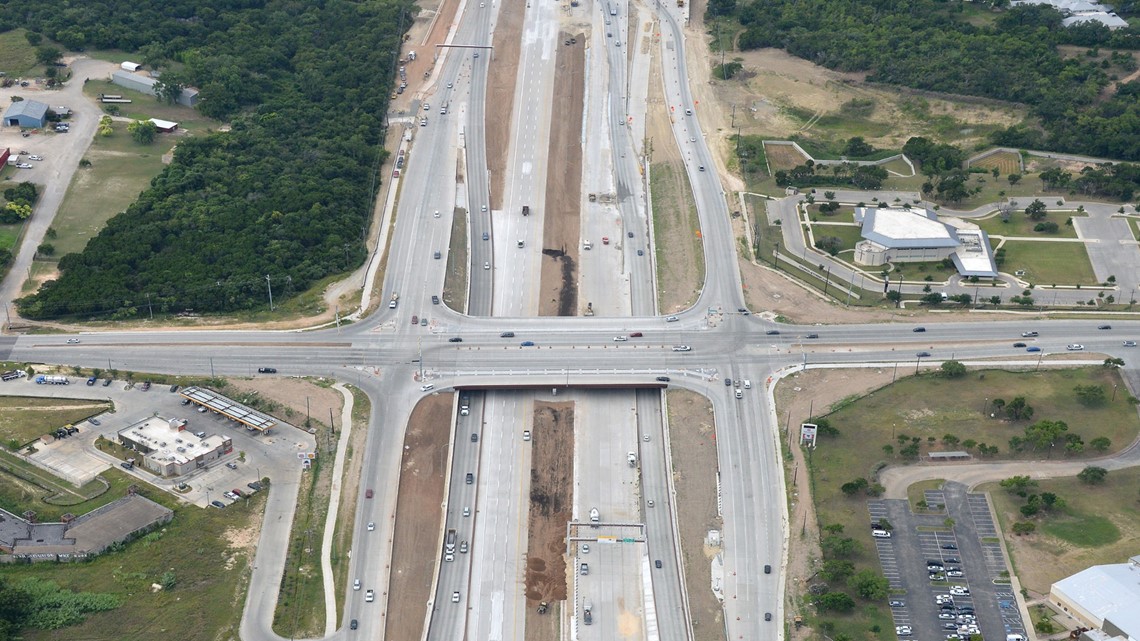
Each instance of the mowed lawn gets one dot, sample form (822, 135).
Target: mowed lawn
(932, 406)
(1100, 524)
(1020, 225)
(1050, 263)
(847, 234)
(120, 170)
(17, 57)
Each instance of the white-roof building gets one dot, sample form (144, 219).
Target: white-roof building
(1105, 597)
(170, 448)
(892, 234)
(1078, 11)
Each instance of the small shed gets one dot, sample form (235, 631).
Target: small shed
(130, 66)
(165, 126)
(31, 114)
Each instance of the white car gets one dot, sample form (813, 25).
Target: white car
(671, 319)
(35, 157)
(526, 435)
(1074, 347)
(427, 388)
(449, 85)
(585, 548)
(466, 511)
(24, 165)
(356, 584)
(620, 339)
(682, 348)
(486, 265)
(73, 341)
(369, 596)
(455, 597)
(959, 591)
(371, 526)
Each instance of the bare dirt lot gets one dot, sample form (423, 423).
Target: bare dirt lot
(783, 157)
(813, 391)
(293, 394)
(692, 442)
(501, 78)
(551, 500)
(562, 218)
(418, 511)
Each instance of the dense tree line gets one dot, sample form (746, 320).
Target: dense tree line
(925, 44)
(286, 193)
(810, 174)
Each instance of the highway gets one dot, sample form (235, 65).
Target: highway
(614, 384)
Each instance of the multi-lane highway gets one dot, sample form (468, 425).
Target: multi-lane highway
(479, 585)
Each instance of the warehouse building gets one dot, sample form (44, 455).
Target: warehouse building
(29, 114)
(145, 84)
(1103, 597)
(169, 448)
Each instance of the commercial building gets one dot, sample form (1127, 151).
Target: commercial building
(1081, 11)
(897, 235)
(145, 84)
(1104, 597)
(30, 114)
(169, 448)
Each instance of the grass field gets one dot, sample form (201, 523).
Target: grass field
(1134, 225)
(848, 234)
(145, 107)
(25, 419)
(120, 169)
(1020, 225)
(783, 157)
(210, 576)
(1100, 524)
(1006, 162)
(9, 234)
(17, 57)
(1050, 263)
(680, 267)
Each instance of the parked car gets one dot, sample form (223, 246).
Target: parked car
(217, 504)
(231, 465)
(267, 370)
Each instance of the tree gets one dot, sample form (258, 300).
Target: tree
(1018, 409)
(836, 602)
(1100, 443)
(1045, 433)
(995, 300)
(143, 131)
(829, 244)
(856, 148)
(727, 70)
(1019, 485)
(889, 450)
(962, 299)
(48, 55)
(830, 195)
(1113, 362)
(851, 488)
(950, 440)
(894, 296)
(1046, 227)
(953, 369)
(969, 443)
(1093, 475)
(1022, 528)
(1013, 179)
(838, 547)
(933, 298)
(869, 585)
(1036, 210)
(825, 428)
(1090, 395)
(837, 570)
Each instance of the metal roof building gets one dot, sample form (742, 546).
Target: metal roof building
(26, 113)
(1103, 597)
(253, 420)
(900, 235)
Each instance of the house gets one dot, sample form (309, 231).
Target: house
(897, 235)
(165, 126)
(30, 114)
(1103, 597)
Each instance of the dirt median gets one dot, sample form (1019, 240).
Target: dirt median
(501, 79)
(551, 500)
(561, 219)
(418, 514)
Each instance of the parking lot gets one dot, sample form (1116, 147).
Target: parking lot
(946, 581)
(276, 455)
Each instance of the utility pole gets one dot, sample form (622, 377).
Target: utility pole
(733, 125)
(211, 367)
(827, 280)
(149, 308)
(270, 286)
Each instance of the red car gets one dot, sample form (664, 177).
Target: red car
(238, 492)
(368, 494)
(635, 334)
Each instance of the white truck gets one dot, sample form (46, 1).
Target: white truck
(632, 459)
(595, 515)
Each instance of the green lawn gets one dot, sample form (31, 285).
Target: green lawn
(9, 234)
(848, 234)
(1134, 225)
(1100, 524)
(1050, 263)
(120, 170)
(17, 57)
(23, 419)
(206, 601)
(1020, 225)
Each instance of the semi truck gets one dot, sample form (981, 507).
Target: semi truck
(46, 379)
(449, 544)
(13, 375)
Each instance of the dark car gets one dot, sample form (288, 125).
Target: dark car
(106, 382)
(767, 569)
(918, 329)
(435, 300)
(173, 388)
(507, 335)
(91, 381)
(217, 504)
(663, 379)
(455, 339)
(470, 478)
(923, 354)
(267, 370)
(773, 332)
(1019, 344)
(1104, 327)
(474, 437)
(657, 564)
(767, 616)
(640, 253)
(636, 334)
(368, 493)
(352, 625)
(728, 382)
(527, 344)
(1033, 348)
(949, 546)
(629, 233)
(813, 335)
(254, 485)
